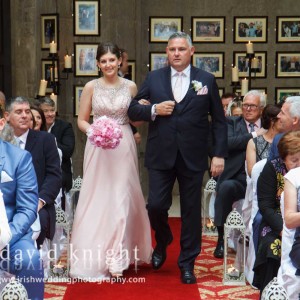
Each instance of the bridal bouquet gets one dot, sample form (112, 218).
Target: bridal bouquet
(105, 133)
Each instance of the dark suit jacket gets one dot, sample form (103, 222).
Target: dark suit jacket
(238, 138)
(186, 130)
(19, 188)
(65, 138)
(273, 152)
(45, 158)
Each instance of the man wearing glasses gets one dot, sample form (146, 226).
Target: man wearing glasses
(231, 185)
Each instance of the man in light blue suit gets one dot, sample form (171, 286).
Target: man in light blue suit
(18, 184)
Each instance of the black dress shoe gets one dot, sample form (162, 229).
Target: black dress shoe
(187, 277)
(219, 251)
(159, 255)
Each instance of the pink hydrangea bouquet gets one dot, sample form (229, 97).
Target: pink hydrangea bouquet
(105, 133)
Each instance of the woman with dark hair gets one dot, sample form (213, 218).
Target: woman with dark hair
(39, 117)
(270, 186)
(111, 229)
(258, 148)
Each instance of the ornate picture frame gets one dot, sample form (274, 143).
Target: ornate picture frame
(288, 64)
(288, 29)
(49, 30)
(282, 92)
(212, 62)
(87, 18)
(253, 29)
(208, 29)
(160, 28)
(157, 60)
(77, 93)
(85, 59)
(240, 61)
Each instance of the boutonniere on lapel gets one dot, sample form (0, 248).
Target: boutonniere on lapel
(197, 86)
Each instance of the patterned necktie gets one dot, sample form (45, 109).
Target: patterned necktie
(252, 127)
(19, 143)
(177, 91)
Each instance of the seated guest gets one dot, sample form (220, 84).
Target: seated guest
(65, 138)
(258, 148)
(5, 233)
(231, 184)
(292, 209)
(39, 117)
(42, 147)
(227, 99)
(270, 185)
(287, 276)
(235, 109)
(289, 118)
(20, 193)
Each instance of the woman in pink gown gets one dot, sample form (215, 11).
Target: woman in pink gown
(111, 229)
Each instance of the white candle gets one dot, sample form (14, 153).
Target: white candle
(54, 98)
(43, 86)
(55, 74)
(244, 86)
(51, 74)
(249, 47)
(53, 47)
(254, 63)
(68, 63)
(234, 74)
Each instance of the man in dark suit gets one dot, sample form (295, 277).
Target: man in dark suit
(231, 185)
(177, 146)
(45, 159)
(65, 138)
(18, 184)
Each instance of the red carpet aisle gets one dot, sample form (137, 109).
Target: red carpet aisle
(163, 284)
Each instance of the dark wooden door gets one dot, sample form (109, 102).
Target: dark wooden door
(5, 49)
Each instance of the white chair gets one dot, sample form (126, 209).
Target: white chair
(13, 290)
(5, 236)
(252, 202)
(73, 197)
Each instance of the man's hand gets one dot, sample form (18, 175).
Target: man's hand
(41, 205)
(144, 102)
(261, 131)
(217, 166)
(137, 138)
(165, 108)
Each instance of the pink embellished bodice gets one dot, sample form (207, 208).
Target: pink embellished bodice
(111, 102)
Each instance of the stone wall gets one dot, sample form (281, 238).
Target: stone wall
(126, 22)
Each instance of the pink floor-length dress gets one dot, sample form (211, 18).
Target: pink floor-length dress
(111, 228)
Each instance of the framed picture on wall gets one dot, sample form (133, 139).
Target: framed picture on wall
(77, 94)
(281, 93)
(208, 30)
(49, 30)
(211, 62)
(160, 28)
(85, 60)
(49, 73)
(253, 29)
(87, 17)
(131, 70)
(158, 60)
(242, 62)
(288, 29)
(287, 64)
